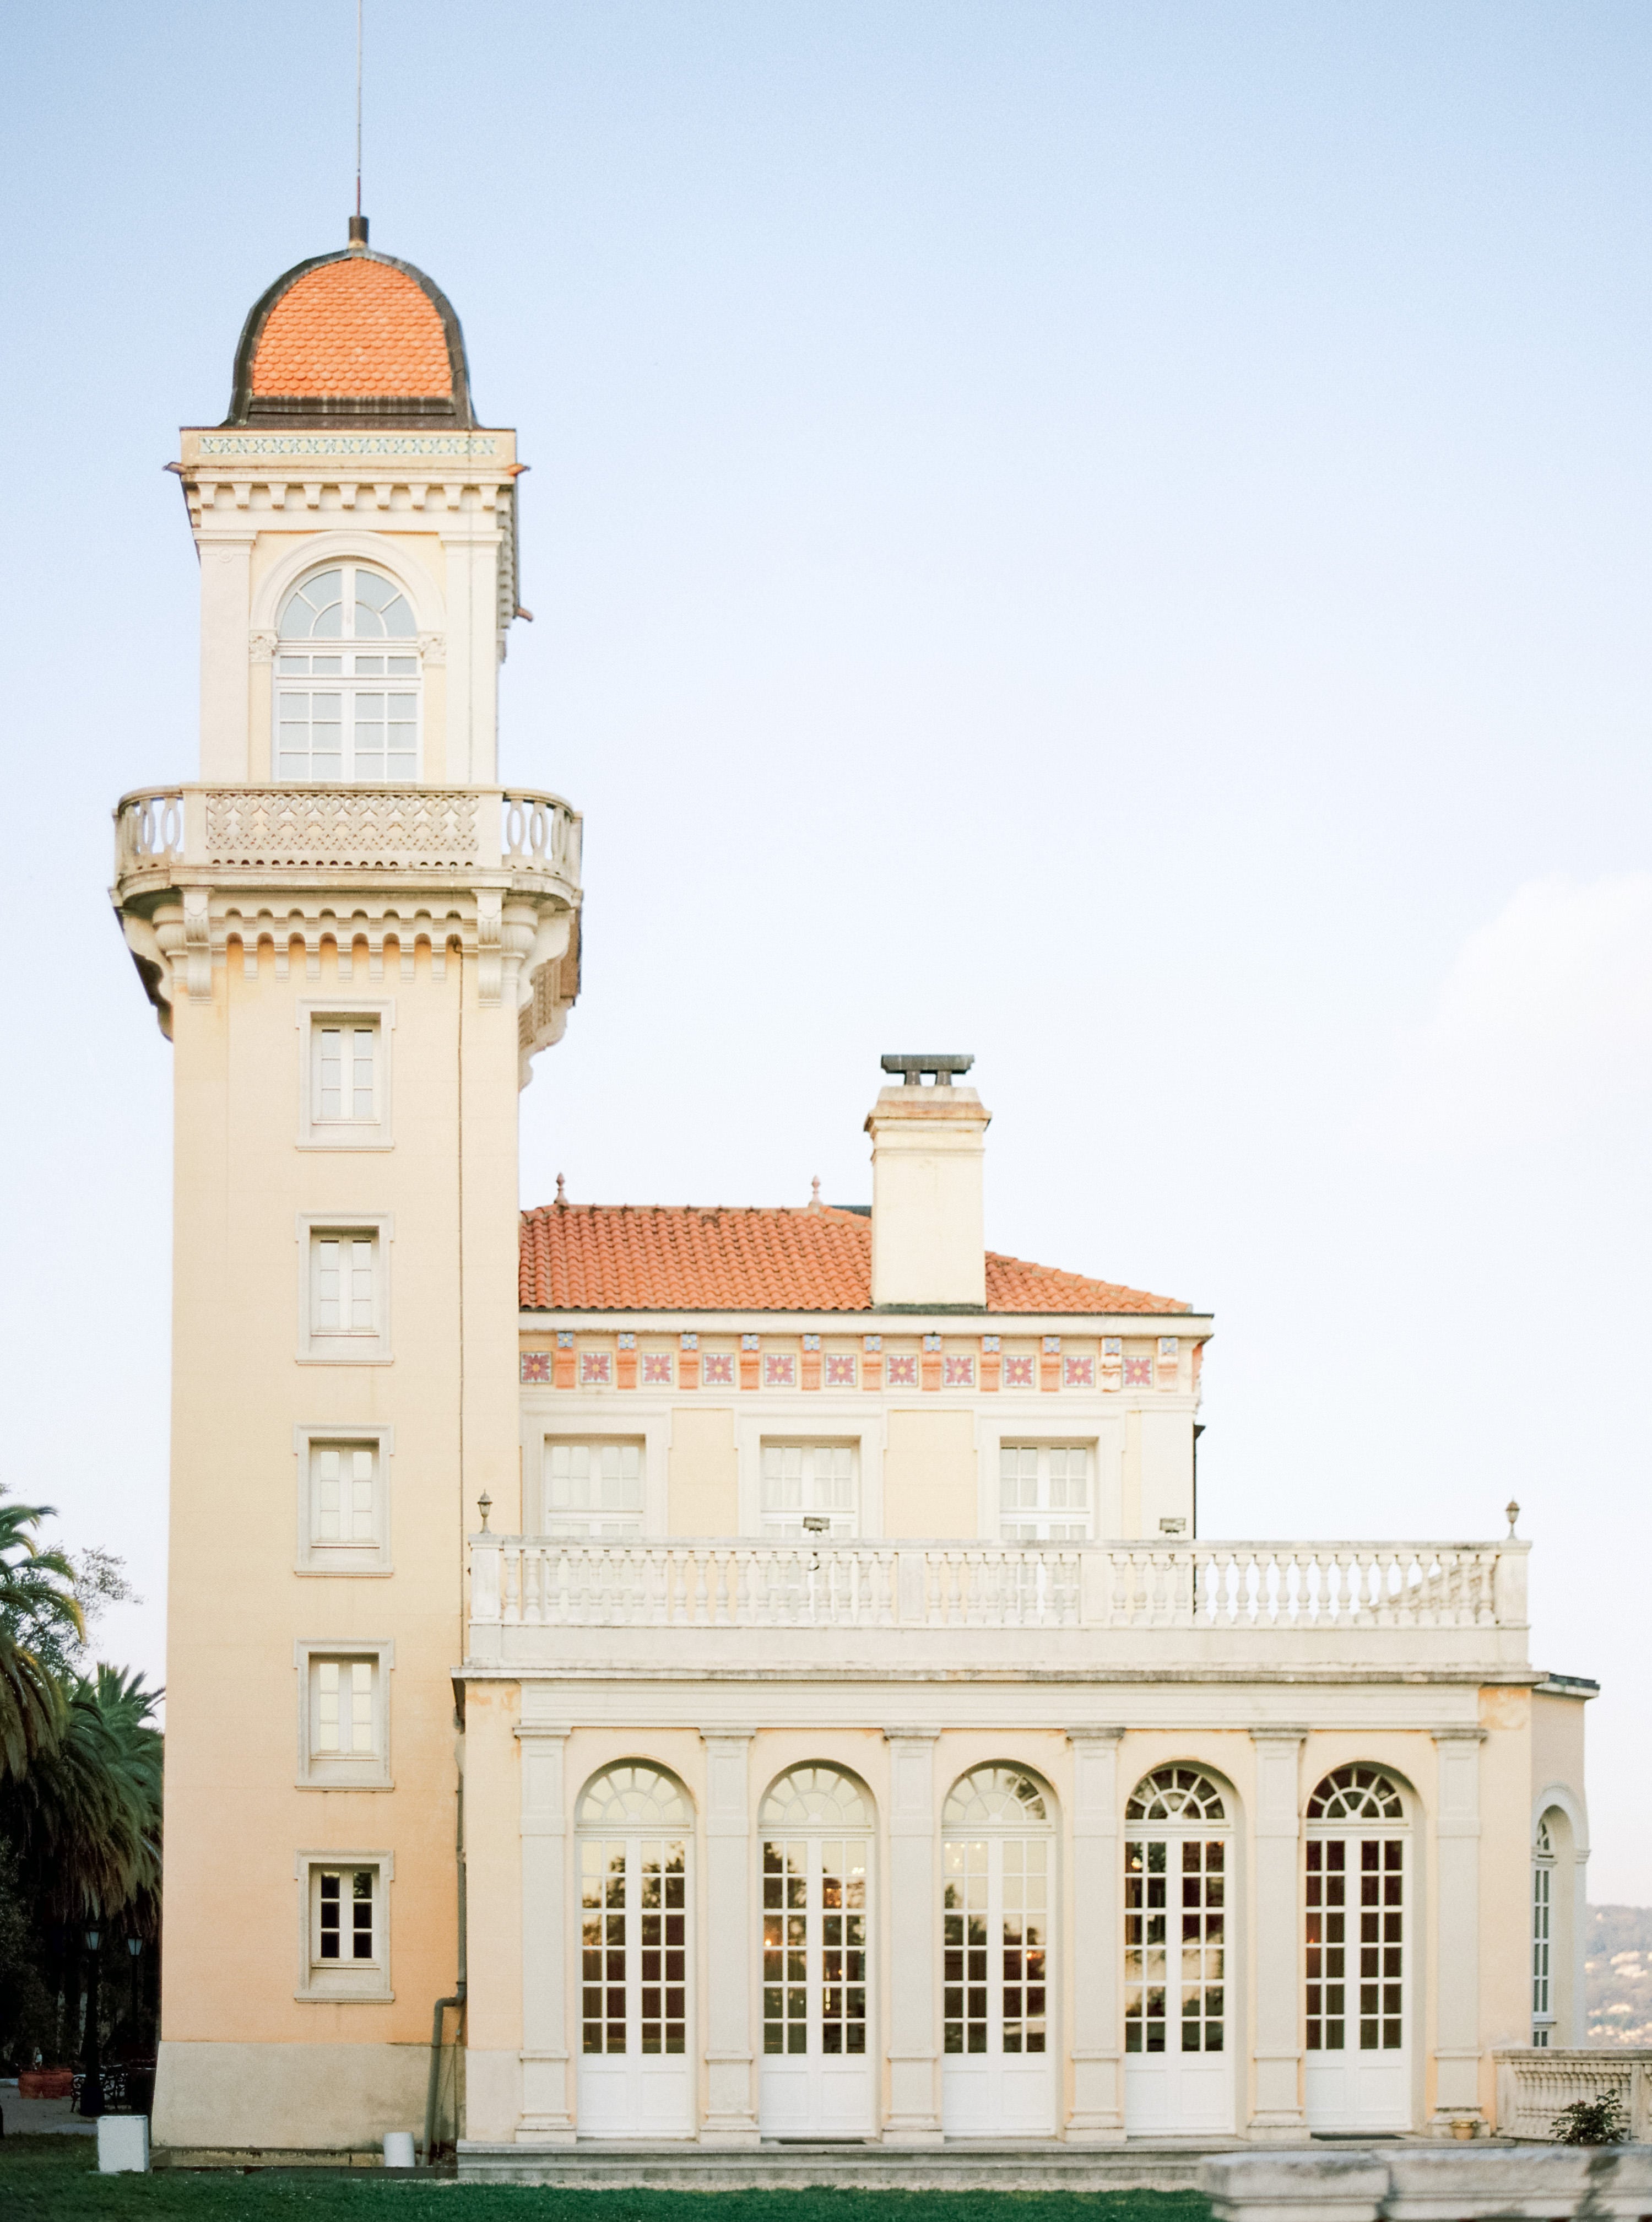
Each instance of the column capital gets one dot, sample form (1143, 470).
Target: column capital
(1098, 1734)
(541, 1732)
(1463, 1735)
(1271, 1734)
(904, 1735)
(726, 1736)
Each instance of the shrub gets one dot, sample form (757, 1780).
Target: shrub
(1597, 2121)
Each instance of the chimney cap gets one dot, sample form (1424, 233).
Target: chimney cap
(945, 1066)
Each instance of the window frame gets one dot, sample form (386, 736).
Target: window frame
(823, 1440)
(313, 1015)
(336, 1345)
(314, 1555)
(354, 1982)
(350, 683)
(592, 1440)
(337, 1770)
(1041, 1447)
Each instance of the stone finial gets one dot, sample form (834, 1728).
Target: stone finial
(814, 1193)
(1512, 1513)
(945, 1068)
(484, 1506)
(561, 1189)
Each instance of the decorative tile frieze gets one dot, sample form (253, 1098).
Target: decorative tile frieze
(1077, 1373)
(779, 1370)
(841, 1372)
(1138, 1374)
(656, 1368)
(717, 1369)
(536, 1365)
(1018, 1373)
(596, 1368)
(960, 1372)
(900, 1369)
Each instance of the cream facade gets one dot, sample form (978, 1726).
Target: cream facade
(762, 1670)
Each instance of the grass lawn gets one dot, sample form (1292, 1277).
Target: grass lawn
(56, 2179)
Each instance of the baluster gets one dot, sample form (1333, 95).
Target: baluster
(512, 1613)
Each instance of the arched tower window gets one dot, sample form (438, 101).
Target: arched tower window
(347, 681)
(633, 1823)
(1543, 1915)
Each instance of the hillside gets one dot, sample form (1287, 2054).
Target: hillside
(1619, 1969)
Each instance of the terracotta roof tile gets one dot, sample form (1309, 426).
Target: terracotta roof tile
(353, 328)
(626, 1258)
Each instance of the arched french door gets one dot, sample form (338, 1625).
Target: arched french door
(818, 2075)
(1178, 1865)
(998, 1891)
(636, 2074)
(1359, 1937)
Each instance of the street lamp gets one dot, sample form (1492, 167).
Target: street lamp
(135, 1947)
(91, 2088)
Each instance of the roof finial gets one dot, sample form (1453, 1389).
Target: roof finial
(1512, 1513)
(561, 1189)
(814, 1193)
(358, 221)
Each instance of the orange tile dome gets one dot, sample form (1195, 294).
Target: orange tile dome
(350, 338)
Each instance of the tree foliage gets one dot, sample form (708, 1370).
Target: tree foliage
(42, 1620)
(80, 1782)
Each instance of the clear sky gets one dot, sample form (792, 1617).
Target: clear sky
(1111, 537)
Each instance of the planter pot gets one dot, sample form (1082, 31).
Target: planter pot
(45, 2082)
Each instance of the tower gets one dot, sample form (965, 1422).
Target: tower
(356, 939)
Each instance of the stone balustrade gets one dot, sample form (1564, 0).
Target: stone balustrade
(1465, 1599)
(1535, 2083)
(329, 828)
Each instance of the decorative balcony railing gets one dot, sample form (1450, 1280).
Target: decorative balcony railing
(1535, 2083)
(346, 829)
(1220, 1589)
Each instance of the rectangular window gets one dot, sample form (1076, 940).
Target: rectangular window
(344, 1716)
(343, 1710)
(1044, 1493)
(343, 1500)
(345, 1293)
(344, 1494)
(344, 1924)
(812, 1482)
(346, 1285)
(593, 1491)
(345, 1079)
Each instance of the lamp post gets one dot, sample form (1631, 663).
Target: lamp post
(135, 1948)
(91, 2089)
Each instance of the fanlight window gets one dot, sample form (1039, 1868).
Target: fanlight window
(351, 602)
(1177, 1793)
(1356, 1793)
(1544, 1845)
(634, 1795)
(346, 712)
(995, 1798)
(816, 1797)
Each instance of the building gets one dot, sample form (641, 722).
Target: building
(745, 1673)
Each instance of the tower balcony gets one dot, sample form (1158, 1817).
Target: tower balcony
(1106, 1611)
(492, 872)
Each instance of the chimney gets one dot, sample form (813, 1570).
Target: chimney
(929, 1246)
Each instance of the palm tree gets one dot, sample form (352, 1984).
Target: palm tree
(85, 1819)
(40, 1619)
